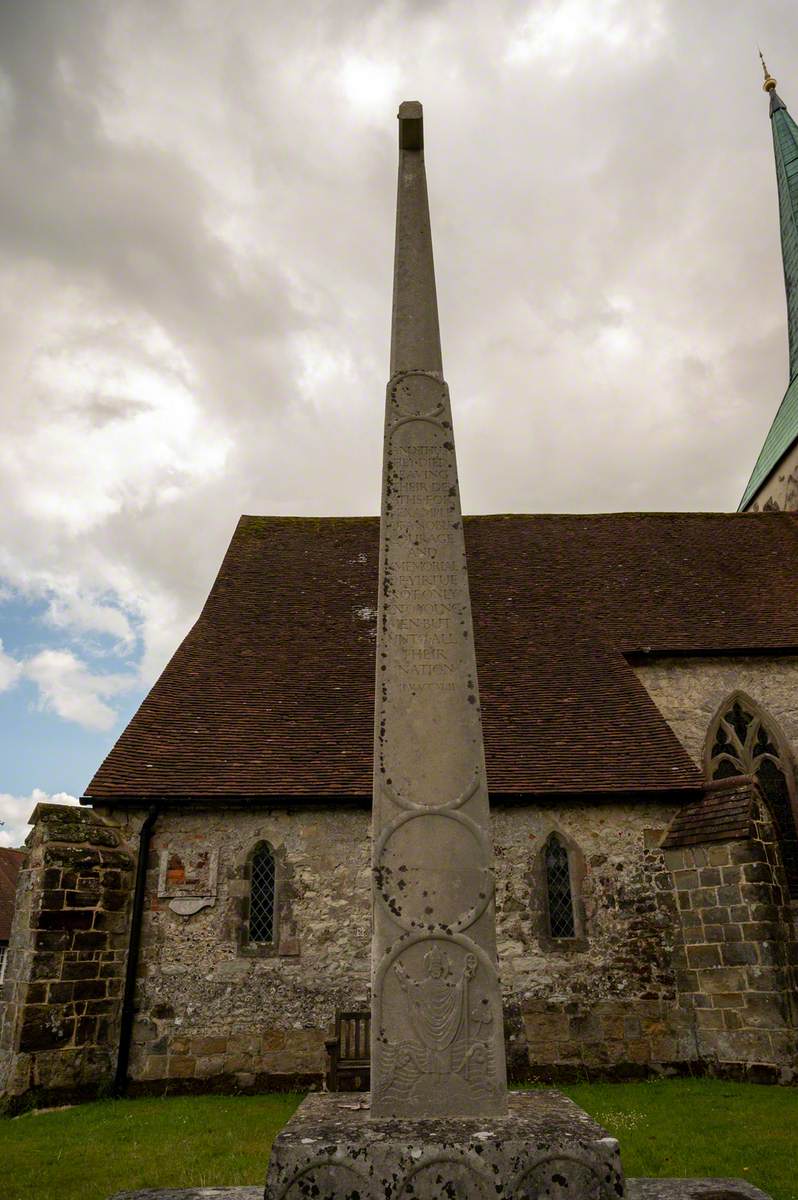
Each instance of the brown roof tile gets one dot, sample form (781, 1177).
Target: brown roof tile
(725, 813)
(271, 692)
(10, 863)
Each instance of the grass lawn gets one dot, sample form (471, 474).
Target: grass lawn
(674, 1127)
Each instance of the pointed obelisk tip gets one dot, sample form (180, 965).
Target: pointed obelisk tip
(411, 125)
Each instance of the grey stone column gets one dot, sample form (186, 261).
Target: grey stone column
(437, 1037)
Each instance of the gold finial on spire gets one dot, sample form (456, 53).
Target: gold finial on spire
(770, 83)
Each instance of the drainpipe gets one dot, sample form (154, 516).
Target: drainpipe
(131, 969)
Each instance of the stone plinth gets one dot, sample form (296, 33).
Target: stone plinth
(546, 1145)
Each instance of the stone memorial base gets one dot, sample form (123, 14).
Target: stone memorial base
(546, 1145)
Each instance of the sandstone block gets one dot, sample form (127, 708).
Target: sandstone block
(182, 1067)
(723, 979)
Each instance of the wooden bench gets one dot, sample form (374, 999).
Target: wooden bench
(349, 1053)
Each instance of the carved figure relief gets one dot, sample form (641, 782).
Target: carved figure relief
(448, 1031)
(437, 1006)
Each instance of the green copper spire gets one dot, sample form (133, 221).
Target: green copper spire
(784, 430)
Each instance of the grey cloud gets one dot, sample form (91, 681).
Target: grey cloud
(211, 198)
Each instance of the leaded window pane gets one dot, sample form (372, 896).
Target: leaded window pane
(558, 883)
(774, 788)
(262, 896)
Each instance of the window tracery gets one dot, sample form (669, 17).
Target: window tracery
(743, 740)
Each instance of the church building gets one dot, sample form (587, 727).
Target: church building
(199, 921)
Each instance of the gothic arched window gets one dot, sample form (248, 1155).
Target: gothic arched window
(559, 894)
(262, 895)
(743, 740)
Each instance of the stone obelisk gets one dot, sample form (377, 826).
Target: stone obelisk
(440, 1121)
(437, 1033)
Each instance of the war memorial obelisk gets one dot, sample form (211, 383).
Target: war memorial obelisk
(437, 1040)
(439, 1122)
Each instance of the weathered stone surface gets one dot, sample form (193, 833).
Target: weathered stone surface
(233, 1193)
(60, 1024)
(330, 1149)
(636, 1189)
(740, 959)
(692, 1189)
(437, 1030)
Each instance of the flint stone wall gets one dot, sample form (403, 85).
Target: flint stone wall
(63, 986)
(211, 1012)
(624, 997)
(689, 691)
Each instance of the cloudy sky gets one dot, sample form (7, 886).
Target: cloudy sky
(196, 223)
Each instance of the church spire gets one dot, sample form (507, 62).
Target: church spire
(783, 434)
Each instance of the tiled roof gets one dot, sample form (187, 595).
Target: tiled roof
(10, 863)
(271, 692)
(725, 813)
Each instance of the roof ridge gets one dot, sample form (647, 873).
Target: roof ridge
(679, 514)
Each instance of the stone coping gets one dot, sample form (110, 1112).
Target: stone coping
(636, 1189)
(692, 1189)
(233, 1193)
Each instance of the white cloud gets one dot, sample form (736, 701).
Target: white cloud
(68, 688)
(15, 812)
(10, 670)
(79, 612)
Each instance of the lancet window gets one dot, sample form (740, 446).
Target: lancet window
(262, 895)
(559, 893)
(744, 740)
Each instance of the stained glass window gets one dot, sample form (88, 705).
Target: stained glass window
(262, 895)
(558, 886)
(744, 742)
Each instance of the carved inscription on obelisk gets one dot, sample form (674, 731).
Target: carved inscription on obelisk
(437, 1038)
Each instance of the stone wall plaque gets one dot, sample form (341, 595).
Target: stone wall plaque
(188, 879)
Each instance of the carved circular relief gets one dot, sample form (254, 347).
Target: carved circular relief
(559, 1177)
(412, 806)
(431, 870)
(327, 1179)
(448, 1175)
(418, 396)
